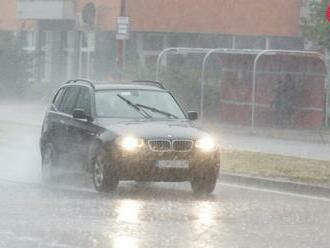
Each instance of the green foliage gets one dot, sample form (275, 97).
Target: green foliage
(14, 66)
(315, 27)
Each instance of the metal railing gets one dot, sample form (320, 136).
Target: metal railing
(258, 53)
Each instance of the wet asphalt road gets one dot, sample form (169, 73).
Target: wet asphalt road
(71, 214)
(159, 215)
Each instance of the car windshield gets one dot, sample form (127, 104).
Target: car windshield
(148, 104)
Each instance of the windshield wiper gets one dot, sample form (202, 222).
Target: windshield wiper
(157, 110)
(135, 106)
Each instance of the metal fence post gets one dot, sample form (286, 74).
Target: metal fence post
(253, 100)
(201, 110)
(159, 58)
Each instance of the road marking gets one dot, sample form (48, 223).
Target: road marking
(318, 198)
(88, 190)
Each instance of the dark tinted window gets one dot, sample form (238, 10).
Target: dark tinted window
(69, 100)
(84, 100)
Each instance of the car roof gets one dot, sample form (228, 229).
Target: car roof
(123, 86)
(107, 85)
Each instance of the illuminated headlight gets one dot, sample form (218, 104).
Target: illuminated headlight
(206, 144)
(130, 143)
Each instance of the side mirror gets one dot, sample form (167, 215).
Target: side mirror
(192, 115)
(80, 114)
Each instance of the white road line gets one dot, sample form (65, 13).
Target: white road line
(87, 190)
(276, 192)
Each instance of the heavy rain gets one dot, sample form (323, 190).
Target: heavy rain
(151, 123)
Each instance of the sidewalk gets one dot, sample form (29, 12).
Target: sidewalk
(321, 135)
(302, 149)
(310, 144)
(313, 144)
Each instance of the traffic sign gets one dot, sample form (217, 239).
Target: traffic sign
(122, 28)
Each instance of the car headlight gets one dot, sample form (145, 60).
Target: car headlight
(130, 143)
(206, 144)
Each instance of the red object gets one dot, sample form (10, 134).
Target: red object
(236, 89)
(327, 14)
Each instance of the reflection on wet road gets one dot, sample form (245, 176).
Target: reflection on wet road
(158, 215)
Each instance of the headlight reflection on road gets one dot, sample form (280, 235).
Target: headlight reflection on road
(129, 210)
(205, 213)
(124, 241)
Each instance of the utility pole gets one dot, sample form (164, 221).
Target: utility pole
(121, 43)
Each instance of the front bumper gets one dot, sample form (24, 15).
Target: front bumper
(142, 165)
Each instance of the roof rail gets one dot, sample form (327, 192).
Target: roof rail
(81, 80)
(150, 82)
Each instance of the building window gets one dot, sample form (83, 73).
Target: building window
(87, 52)
(289, 43)
(29, 40)
(153, 42)
(67, 40)
(250, 42)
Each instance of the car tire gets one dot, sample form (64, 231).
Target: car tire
(49, 161)
(105, 178)
(204, 183)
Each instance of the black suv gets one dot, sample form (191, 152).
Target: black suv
(126, 131)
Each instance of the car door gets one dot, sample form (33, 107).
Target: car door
(83, 131)
(50, 127)
(65, 121)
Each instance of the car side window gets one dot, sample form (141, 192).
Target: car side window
(69, 100)
(57, 99)
(84, 100)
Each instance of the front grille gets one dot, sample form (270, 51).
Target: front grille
(168, 145)
(182, 145)
(159, 145)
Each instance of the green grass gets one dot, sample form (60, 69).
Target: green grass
(277, 166)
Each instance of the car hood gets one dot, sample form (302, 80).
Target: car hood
(182, 129)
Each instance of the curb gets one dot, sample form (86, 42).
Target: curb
(299, 188)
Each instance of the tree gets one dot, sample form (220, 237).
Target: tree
(315, 26)
(14, 66)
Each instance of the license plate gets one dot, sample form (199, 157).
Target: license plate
(172, 164)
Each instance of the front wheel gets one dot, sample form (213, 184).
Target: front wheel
(204, 183)
(105, 178)
(48, 163)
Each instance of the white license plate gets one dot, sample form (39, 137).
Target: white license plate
(172, 164)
